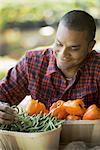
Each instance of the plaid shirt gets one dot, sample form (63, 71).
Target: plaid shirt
(36, 74)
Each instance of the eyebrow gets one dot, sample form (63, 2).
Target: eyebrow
(59, 42)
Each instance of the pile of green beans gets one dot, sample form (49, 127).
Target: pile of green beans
(35, 123)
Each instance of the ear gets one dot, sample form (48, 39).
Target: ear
(91, 45)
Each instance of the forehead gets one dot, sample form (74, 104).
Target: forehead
(65, 34)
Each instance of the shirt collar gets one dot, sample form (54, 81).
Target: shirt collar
(52, 68)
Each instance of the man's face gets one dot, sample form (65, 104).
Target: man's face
(70, 47)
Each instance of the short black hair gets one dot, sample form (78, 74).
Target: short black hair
(81, 21)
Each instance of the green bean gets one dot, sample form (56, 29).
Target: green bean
(46, 128)
(34, 123)
(52, 124)
(16, 108)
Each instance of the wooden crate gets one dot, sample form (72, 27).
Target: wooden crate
(81, 130)
(30, 141)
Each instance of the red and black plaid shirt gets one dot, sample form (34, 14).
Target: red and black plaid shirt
(36, 74)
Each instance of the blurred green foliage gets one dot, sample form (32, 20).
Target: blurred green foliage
(5, 64)
(2, 74)
(34, 10)
(16, 17)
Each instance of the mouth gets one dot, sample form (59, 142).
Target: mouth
(64, 60)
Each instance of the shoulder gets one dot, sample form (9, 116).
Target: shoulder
(47, 52)
(93, 59)
(38, 57)
(91, 65)
(94, 63)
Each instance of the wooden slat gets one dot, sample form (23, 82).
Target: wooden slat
(81, 130)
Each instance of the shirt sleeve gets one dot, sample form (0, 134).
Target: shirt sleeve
(14, 87)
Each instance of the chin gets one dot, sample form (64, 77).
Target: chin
(65, 67)
(62, 67)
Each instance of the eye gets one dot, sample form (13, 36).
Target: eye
(74, 48)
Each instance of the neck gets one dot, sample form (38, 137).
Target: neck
(69, 73)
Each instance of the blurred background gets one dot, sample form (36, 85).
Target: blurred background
(31, 24)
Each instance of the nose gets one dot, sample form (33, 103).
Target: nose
(64, 54)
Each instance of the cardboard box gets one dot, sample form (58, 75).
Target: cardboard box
(81, 130)
(30, 141)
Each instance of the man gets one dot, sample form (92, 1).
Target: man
(70, 70)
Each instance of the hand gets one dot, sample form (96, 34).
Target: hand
(7, 114)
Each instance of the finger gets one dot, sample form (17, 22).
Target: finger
(1, 102)
(6, 116)
(6, 108)
(3, 121)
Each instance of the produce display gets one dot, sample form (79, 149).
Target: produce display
(74, 110)
(70, 110)
(40, 122)
(37, 118)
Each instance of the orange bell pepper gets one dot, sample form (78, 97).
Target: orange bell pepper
(35, 107)
(92, 113)
(56, 104)
(57, 109)
(73, 117)
(75, 107)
